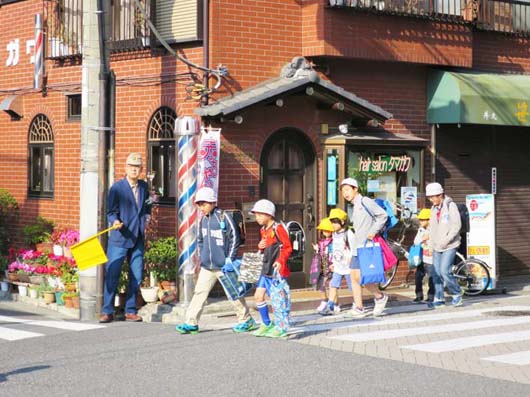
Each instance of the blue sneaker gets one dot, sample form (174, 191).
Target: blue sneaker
(435, 304)
(187, 329)
(457, 300)
(247, 326)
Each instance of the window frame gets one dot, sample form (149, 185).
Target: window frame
(41, 127)
(69, 99)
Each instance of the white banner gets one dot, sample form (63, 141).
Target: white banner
(481, 242)
(209, 156)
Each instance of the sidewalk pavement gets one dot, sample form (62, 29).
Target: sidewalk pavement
(305, 301)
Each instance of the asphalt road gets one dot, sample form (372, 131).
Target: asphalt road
(129, 359)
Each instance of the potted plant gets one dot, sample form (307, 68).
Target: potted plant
(33, 291)
(71, 299)
(9, 212)
(161, 261)
(149, 294)
(47, 292)
(38, 233)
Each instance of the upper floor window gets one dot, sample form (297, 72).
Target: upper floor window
(64, 30)
(161, 151)
(41, 155)
(73, 106)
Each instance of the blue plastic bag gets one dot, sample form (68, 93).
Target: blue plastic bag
(415, 256)
(234, 289)
(370, 259)
(281, 302)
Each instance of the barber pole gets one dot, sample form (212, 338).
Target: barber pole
(39, 59)
(187, 132)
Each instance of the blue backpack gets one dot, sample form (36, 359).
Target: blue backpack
(391, 221)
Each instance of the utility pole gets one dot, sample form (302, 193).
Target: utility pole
(94, 129)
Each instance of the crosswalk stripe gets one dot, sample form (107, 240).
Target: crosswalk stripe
(519, 358)
(435, 329)
(66, 325)
(470, 341)
(16, 334)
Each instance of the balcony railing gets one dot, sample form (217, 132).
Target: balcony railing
(509, 16)
(63, 21)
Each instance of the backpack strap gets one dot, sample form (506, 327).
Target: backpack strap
(366, 208)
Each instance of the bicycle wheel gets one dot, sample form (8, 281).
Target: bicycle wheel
(473, 276)
(389, 275)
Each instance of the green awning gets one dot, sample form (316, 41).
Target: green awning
(478, 98)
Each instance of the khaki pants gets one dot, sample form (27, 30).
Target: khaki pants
(205, 283)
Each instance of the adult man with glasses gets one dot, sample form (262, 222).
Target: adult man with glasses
(444, 239)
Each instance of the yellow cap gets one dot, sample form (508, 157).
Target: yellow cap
(425, 214)
(325, 225)
(337, 213)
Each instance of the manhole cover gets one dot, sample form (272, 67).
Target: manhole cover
(508, 313)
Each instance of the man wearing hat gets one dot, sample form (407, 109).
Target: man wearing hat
(128, 211)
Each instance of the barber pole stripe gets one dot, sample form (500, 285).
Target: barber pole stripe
(39, 62)
(186, 131)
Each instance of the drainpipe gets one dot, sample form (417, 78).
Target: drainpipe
(206, 46)
(433, 152)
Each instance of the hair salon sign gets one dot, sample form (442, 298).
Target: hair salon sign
(385, 163)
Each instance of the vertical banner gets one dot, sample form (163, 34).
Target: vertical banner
(409, 198)
(209, 156)
(187, 133)
(39, 58)
(481, 242)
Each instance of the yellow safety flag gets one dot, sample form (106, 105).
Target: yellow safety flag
(89, 253)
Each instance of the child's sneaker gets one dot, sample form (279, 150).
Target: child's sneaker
(247, 326)
(326, 311)
(457, 300)
(355, 313)
(263, 329)
(187, 329)
(336, 310)
(322, 306)
(379, 305)
(276, 332)
(435, 304)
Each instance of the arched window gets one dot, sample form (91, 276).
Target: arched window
(161, 146)
(41, 154)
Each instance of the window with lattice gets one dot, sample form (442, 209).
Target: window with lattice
(161, 171)
(41, 157)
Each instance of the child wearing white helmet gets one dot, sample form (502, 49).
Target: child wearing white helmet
(444, 240)
(218, 242)
(276, 247)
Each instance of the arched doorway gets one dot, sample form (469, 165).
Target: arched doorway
(288, 178)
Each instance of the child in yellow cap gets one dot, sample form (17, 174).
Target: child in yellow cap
(422, 237)
(320, 271)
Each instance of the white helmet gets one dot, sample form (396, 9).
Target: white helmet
(206, 194)
(433, 189)
(265, 207)
(349, 181)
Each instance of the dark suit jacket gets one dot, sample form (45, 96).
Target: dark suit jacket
(121, 205)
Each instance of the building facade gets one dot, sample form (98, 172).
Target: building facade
(294, 71)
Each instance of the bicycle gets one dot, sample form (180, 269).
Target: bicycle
(472, 274)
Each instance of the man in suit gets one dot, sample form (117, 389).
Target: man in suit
(128, 211)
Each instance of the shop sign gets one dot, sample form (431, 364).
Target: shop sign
(385, 163)
(13, 51)
(481, 237)
(409, 198)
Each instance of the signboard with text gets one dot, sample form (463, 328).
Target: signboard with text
(481, 242)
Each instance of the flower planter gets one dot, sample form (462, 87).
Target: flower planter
(70, 287)
(59, 298)
(12, 276)
(75, 302)
(57, 250)
(23, 278)
(44, 247)
(150, 294)
(33, 293)
(49, 296)
(22, 290)
(36, 279)
(68, 301)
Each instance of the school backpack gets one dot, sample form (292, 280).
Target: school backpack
(392, 219)
(464, 218)
(297, 236)
(239, 220)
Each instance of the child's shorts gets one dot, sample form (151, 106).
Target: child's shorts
(336, 280)
(354, 264)
(265, 282)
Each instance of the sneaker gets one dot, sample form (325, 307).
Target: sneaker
(247, 326)
(187, 329)
(355, 312)
(336, 310)
(322, 306)
(275, 332)
(379, 305)
(326, 311)
(435, 304)
(263, 329)
(457, 300)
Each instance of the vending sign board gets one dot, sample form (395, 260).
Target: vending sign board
(481, 242)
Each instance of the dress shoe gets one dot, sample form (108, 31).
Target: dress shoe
(133, 317)
(106, 318)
